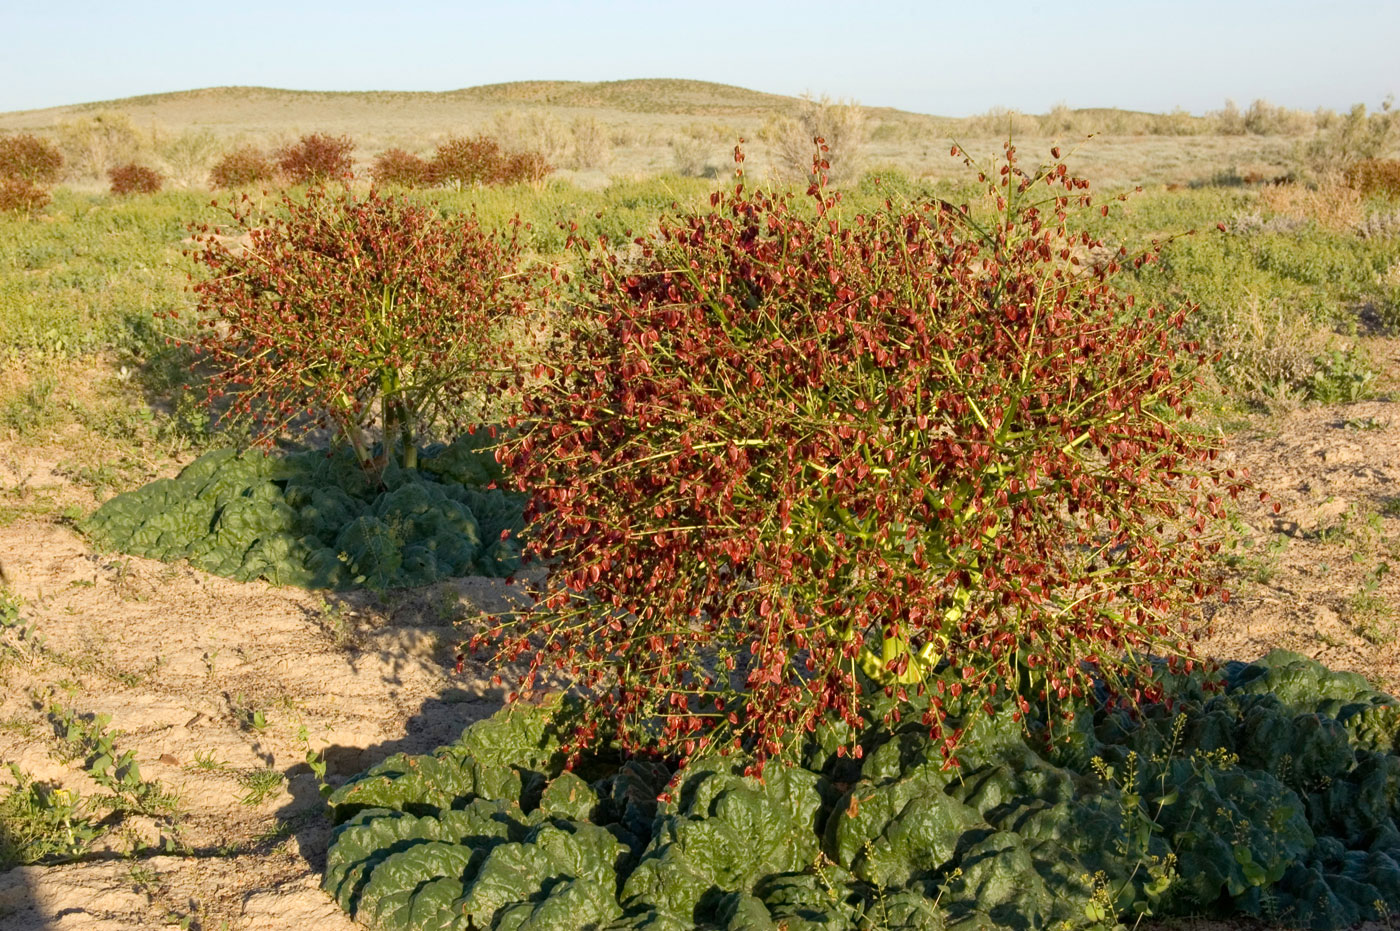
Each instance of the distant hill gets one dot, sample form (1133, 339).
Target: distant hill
(266, 109)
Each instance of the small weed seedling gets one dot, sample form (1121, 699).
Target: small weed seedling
(1372, 613)
(205, 762)
(260, 783)
(42, 824)
(316, 761)
(86, 737)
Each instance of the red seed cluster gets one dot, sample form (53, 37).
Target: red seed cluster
(779, 441)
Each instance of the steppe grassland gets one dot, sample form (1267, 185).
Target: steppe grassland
(645, 128)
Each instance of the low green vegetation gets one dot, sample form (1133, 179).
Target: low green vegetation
(87, 738)
(1268, 790)
(321, 520)
(42, 823)
(89, 277)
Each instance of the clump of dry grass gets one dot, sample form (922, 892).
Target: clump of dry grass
(93, 145)
(1265, 348)
(1375, 176)
(591, 143)
(1332, 203)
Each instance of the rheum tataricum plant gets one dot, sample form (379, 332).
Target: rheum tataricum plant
(785, 455)
(360, 311)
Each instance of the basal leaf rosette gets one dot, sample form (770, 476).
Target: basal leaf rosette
(780, 453)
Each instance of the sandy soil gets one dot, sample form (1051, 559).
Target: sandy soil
(211, 681)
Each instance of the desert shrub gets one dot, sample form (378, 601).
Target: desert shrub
(1262, 350)
(690, 155)
(466, 162)
(592, 143)
(243, 166)
(841, 124)
(1265, 119)
(93, 145)
(1375, 176)
(1380, 224)
(462, 161)
(344, 307)
(319, 521)
(20, 196)
(524, 168)
(134, 179)
(1266, 790)
(787, 451)
(397, 167)
(187, 157)
(532, 131)
(1059, 121)
(315, 158)
(25, 157)
(1229, 121)
(1329, 202)
(1357, 136)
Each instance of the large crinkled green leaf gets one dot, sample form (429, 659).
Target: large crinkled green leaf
(808, 901)
(886, 833)
(997, 877)
(361, 843)
(1295, 680)
(1361, 805)
(416, 888)
(1303, 750)
(508, 757)
(468, 460)
(627, 797)
(578, 862)
(423, 784)
(1232, 830)
(724, 834)
(521, 738)
(568, 796)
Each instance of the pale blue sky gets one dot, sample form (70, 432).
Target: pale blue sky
(933, 56)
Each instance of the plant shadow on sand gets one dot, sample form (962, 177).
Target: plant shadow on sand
(418, 620)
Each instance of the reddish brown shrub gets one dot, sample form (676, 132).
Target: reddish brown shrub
(26, 157)
(241, 167)
(132, 178)
(288, 326)
(395, 166)
(525, 167)
(1375, 176)
(316, 158)
(782, 456)
(21, 196)
(462, 162)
